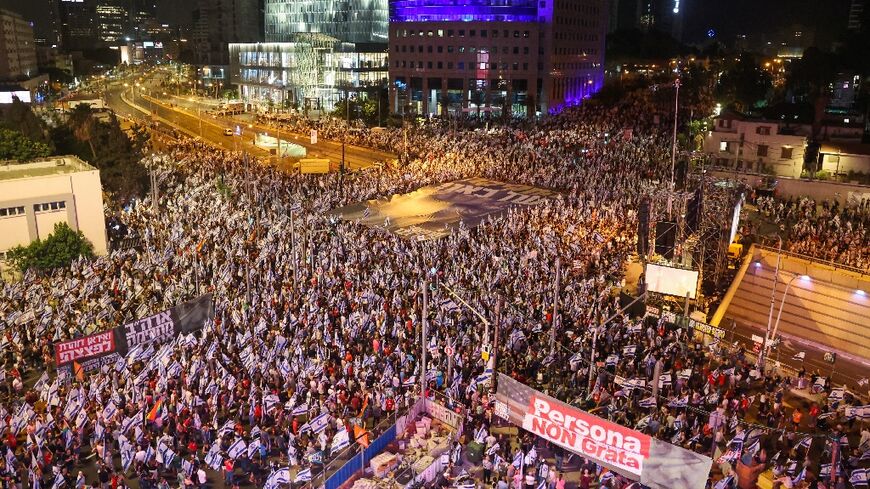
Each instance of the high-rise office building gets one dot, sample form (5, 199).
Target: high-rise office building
(216, 23)
(78, 24)
(113, 20)
(520, 57)
(17, 47)
(356, 21)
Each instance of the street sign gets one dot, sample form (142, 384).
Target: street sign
(449, 351)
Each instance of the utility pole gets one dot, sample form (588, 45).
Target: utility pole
(674, 145)
(425, 333)
(555, 307)
(761, 353)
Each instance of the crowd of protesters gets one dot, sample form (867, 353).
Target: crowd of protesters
(317, 322)
(827, 231)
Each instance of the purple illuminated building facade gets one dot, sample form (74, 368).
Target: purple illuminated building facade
(495, 57)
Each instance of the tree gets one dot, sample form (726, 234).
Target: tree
(744, 85)
(18, 116)
(107, 147)
(57, 250)
(15, 146)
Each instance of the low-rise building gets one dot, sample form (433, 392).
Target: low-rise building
(787, 149)
(37, 195)
(755, 145)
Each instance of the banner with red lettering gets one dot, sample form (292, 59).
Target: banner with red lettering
(635, 455)
(95, 345)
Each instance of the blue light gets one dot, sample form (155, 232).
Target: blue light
(447, 11)
(711, 33)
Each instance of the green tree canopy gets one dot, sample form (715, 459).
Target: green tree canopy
(59, 249)
(16, 146)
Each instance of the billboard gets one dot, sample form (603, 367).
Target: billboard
(158, 328)
(671, 281)
(431, 212)
(633, 454)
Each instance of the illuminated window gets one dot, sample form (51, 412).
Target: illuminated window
(723, 145)
(787, 152)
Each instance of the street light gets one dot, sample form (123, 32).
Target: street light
(804, 278)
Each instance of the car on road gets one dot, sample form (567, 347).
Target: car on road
(228, 132)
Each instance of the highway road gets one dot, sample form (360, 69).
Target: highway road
(356, 157)
(212, 129)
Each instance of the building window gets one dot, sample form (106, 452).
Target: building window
(787, 152)
(725, 123)
(449, 32)
(723, 146)
(11, 211)
(440, 65)
(763, 130)
(460, 65)
(762, 150)
(440, 49)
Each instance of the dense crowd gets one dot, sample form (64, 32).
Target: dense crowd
(827, 230)
(317, 322)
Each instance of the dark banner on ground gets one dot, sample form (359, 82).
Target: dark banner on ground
(631, 453)
(158, 328)
(431, 212)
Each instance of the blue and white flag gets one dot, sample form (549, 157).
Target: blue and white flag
(237, 449)
(726, 483)
(860, 478)
(300, 409)
(679, 403)
(629, 350)
(303, 475)
(857, 412)
(278, 478)
(319, 423)
(648, 402)
(213, 458)
(59, 481)
(518, 460)
(340, 441)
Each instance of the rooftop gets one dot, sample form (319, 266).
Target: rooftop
(56, 165)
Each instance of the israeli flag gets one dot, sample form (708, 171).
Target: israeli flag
(679, 403)
(726, 483)
(340, 441)
(491, 450)
(59, 481)
(319, 423)
(648, 402)
(254, 447)
(664, 380)
(859, 412)
(611, 360)
(629, 350)
(860, 478)
(518, 460)
(300, 409)
(303, 475)
(237, 448)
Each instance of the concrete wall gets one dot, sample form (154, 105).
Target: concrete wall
(815, 189)
(825, 304)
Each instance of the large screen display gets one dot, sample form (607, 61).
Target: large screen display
(671, 281)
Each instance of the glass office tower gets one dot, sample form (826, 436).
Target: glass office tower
(356, 21)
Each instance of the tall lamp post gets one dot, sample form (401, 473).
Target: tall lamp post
(781, 306)
(761, 354)
(674, 143)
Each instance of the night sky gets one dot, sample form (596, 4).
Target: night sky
(727, 17)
